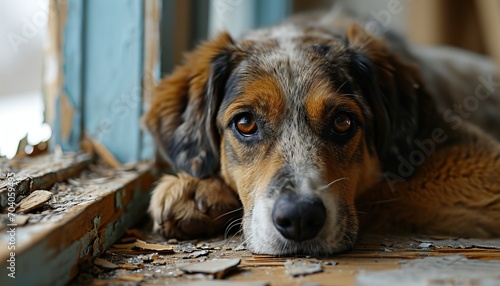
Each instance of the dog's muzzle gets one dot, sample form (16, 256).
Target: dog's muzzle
(298, 217)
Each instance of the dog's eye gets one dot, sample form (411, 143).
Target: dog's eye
(246, 125)
(342, 124)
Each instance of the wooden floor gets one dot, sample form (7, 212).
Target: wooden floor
(377, 260)
(90, 206)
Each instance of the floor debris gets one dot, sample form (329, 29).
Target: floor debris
(425, 244)
(465, 243)
(301, 267)
(35, 200)
(182, 264)
(18, 220)
(105, 264)
(131, 277)
(447, 270)
(222, 283)
(196, 254)
(140, 246)
(216, 267)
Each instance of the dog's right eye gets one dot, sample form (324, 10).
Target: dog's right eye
(245, 124)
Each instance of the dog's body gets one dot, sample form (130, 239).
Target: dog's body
(310, 122)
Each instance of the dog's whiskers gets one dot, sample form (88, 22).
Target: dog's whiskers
(385, 201)
(350, 240)
(234, 223)
(229, 212)
(234, 235)
(331, 183)
(228, 241)
(342, 85)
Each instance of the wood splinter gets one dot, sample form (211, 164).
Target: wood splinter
(35, 200)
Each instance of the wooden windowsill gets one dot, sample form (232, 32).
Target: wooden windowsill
(90, 208)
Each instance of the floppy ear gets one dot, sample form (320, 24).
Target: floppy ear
(393, 89)
(183, 108)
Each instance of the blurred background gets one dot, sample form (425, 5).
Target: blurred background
(23, 28)
(54, 55)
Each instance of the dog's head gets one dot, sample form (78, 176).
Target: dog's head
(297, 121)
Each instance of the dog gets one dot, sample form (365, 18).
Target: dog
(317, 129)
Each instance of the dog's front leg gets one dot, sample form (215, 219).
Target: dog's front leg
(186, 207)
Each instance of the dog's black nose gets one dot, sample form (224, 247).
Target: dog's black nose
(298, 217)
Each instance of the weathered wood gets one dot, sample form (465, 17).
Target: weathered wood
(114, 70)
(151, 65)
(87, 217)
(489, 18)
(373, 253)
(449, 270)
(272, 12)
(217, 267)
(35, 200)
(37, 173)
(67, 125)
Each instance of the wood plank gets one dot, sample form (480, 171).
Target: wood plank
(272, 12)
(67, 126)
(374, 253)
(88, 215)
(449, 270)
(38, 173)
(152, 68)
(489, 18)
(113, 75)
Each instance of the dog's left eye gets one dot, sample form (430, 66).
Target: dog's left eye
(342, 124)
(245, 124)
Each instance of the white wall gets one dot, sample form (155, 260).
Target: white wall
(393, 14)
(23, 26)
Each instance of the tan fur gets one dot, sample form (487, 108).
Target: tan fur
(322, 96)
(184, 206)
(253, 177)
(261, 87)
(183, 87)
(455, 192)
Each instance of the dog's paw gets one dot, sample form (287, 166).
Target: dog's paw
(185, 207)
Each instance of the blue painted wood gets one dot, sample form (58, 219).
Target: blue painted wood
(271, 12)
(113, 75)
(73, 77)
(50, 253)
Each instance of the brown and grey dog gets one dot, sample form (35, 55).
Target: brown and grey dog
(316, 126)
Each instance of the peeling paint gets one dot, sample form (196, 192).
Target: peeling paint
(60, 243)
(90, 238)
(119, 199)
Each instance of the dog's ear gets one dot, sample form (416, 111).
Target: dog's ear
(392, 88)
(184, 105)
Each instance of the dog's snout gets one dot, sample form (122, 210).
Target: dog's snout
(298, 217)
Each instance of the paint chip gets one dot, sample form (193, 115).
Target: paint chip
(196, 254)
(425, 244)
(140, 246)
(300, 267)
(103, 263)
(35, 200)
(131, 277)
(217, 267)
(221, 283)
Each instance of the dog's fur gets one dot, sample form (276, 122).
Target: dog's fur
(422, 153)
